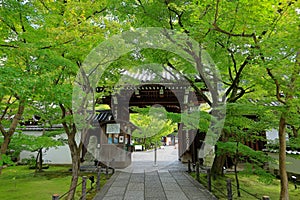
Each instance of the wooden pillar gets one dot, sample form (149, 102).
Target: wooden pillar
(55, 197)
(84, 180)
(98, 178)
(193, 149)
(229, 189)
(209, 180)
(106, 172)
(189, 166)
(197, 171)
(180, 140)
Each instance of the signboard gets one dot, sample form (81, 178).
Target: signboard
(113, 128)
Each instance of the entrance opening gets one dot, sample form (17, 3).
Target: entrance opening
(144, 161)
(155, 141)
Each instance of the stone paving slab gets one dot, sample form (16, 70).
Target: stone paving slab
(134, 195)
(176, 195)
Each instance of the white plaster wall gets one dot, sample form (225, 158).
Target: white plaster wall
(59, 155)
(273, 134)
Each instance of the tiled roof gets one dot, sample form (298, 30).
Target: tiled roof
(148, 75)
(101, 116)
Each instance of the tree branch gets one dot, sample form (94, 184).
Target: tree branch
(217, 12)
(141, 4)
(9, 26)
(277, 86)
(2, 129)
(17, 117)
(205, 11)
(236, 80)
(197, 90)
(234, 62)
(9, 46)
(6, 108)
(43, 3)
(217, 28)
(50, 46)
(239, 94)
(170, 21)
(22, 25)
(96, 12)
(252, 35)
(63, 116)
(179, 15)
(232, 58)
(276, 20)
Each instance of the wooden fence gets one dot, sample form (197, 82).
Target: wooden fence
(83, 183)
(229, 193)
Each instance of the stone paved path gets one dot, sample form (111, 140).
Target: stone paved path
(142, 180)
(156, 185)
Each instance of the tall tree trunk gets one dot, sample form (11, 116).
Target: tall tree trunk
(12, 128)
(39, 160)
(74, 149)
(36, 161)
(4, 147)
(235, 169)
(237, 179)
(40, 153)
(219, 160)
(218, 164)
(284, 194)
(75, 155)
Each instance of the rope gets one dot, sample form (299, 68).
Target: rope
(215, 187)
(247, 192)
(86, 193)
(71, 189)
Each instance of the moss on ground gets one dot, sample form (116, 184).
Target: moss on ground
(249, 183)
(19, 182)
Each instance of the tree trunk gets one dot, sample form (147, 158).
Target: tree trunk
(40, 160)
(217, 168)
(235, 169)
(75, 176)
(36, 161)
(75, 154)
(219, 160)
(237, 180)
(74, 149)
(284, 194)
(7, 135)
(40, 153)
(4, 147)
